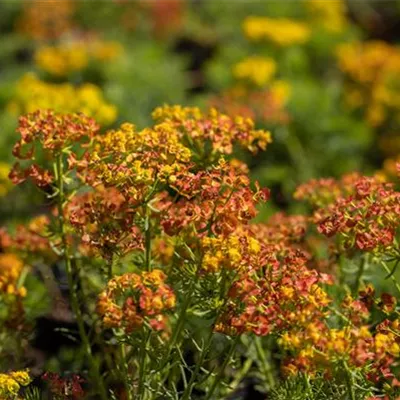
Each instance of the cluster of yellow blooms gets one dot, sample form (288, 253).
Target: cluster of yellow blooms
(32, 94)
(10, 270)
(5, 183)
(331, 14)
(280, 31)
(64, 59)
(228, 253)
(11, 383)
(373, 68)
(255, 70)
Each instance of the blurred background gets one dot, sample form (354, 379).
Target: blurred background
(322, 75)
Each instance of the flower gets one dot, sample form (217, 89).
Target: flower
(256, 70)
(11, 267)
(279, 295)
(264, 106)
(280, 31)
(331, 15)
(366, 219)
(51, 133)
(66, 388)
(32, 94)
(372, 68)
(11, 382)
(132, 299)
(65, 59)
(43, 20)
(5, 183)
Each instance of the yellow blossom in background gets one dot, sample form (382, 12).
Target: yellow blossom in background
(331, 14)
(11, 268)
(373, 69)
(5, 183)
(11, 383)
(256, 70)
(32, 94)
(64, 59)
(106, 51)
(280, 31)
(280, 91)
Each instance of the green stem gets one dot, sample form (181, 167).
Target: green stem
(308, 387)
(392, 277)
(265, 365)
(147, 239)
(71, 285)
(221, 372)
(204, 351)
(125, 372)
(349, 383)
(142, 365)
(360, 273)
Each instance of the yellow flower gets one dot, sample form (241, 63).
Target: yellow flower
(32, 94)
(5, 183)
(256, 70)
(331, 14)
(373, 69)
(11, 383)
(280, 31)
(64, 59)
(10, 270)
(280, 91)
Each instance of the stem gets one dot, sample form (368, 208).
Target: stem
(204, 351)
(392, 277)
(125, 372)
(308, 387)
(221, 372)
(349, 383)
(360, 273)
(265, 365)
(142, 365)
(147, 239)
(71, 285)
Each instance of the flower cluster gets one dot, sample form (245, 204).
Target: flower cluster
(132, 300)
(256, 70)
(331, 15)
(11, 383)
(280, 31)
(31, 239)
(11, 267)
(373, 68)
(63, 60)
(134, 162)
(283, 294)
(218, 201)
(267, 105)
(32, 94)
(5, 184)
(233, 253)
(220, 130)
(42, 20)
(105, 222)
(325, 191)
(364, 219)
(49, 132)
(65, 388)
(321, 348)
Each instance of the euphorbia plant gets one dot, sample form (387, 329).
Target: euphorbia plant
(169, 277)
